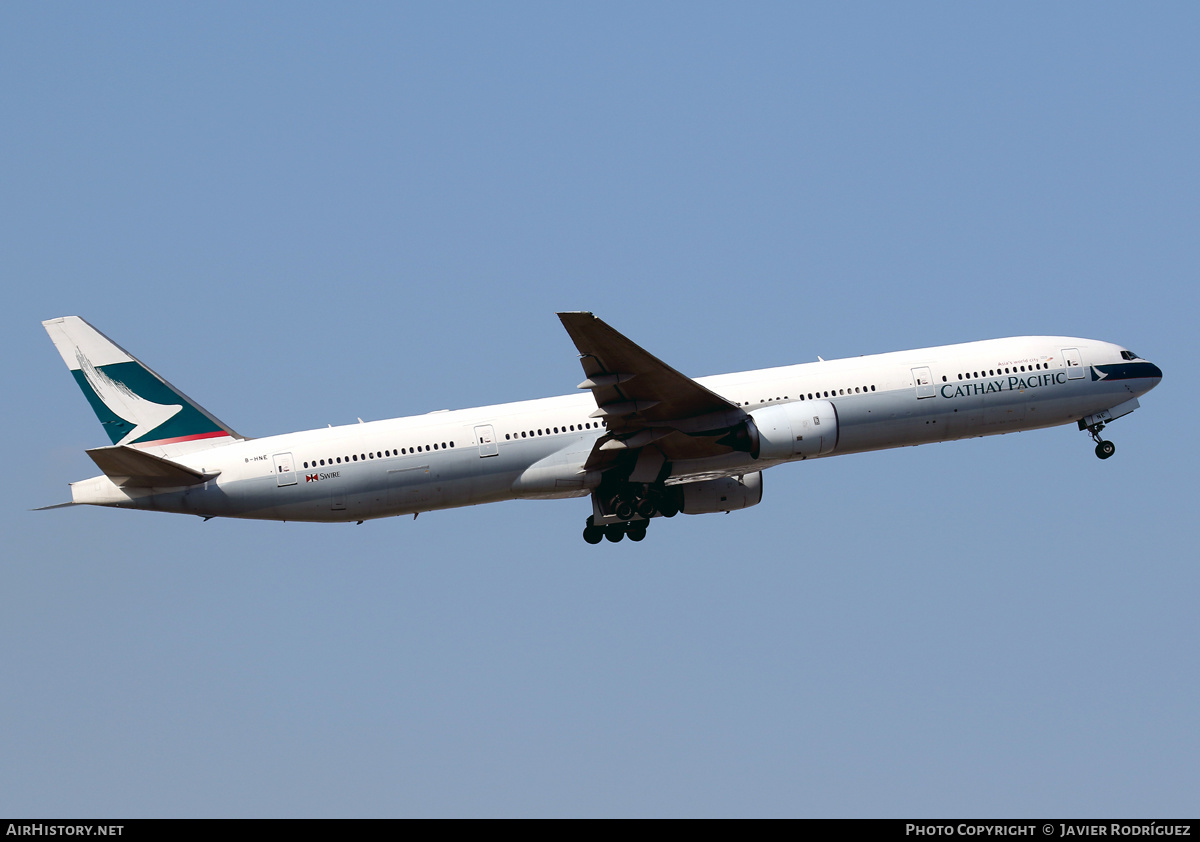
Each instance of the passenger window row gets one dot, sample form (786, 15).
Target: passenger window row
(993, 372)
(810, 396)
(379, 454)
(570, 428)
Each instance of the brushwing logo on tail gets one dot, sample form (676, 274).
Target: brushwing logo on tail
(130, 407)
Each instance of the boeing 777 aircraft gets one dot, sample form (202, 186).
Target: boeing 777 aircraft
(642, 439)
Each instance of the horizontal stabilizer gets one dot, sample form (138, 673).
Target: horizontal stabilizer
(55, 506)
(129, 467)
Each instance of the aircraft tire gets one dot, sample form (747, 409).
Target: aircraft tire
(593, 534)
(637, 534)
(1105, 449)
(614, 532)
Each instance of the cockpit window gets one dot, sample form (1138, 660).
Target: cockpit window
(1129, 355)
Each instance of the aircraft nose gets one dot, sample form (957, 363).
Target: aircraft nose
(1152, 373)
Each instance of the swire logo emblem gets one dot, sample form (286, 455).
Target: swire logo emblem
(311, 477)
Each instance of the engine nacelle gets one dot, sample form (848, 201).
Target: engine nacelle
(726, 494)
(797, 429)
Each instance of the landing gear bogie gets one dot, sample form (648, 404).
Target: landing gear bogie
(626, 509)
(635, 530)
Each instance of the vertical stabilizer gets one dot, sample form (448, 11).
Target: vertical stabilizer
(135, 405)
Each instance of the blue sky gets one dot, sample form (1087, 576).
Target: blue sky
(305, 214)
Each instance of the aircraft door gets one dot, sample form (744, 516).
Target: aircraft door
(1073, 362)
(285, 470)
(923, 380)
(486, 437)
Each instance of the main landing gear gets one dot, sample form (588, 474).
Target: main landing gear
(635, 530)
(628, 514)
(624, 509)
(1104, 449)
(614, 532)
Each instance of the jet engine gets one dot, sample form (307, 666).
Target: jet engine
(797, 429)
(726, 494)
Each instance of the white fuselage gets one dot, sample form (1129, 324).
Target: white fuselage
(537, 449)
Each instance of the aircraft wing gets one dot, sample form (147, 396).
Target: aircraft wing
(644, 401)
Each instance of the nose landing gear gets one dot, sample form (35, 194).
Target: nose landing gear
(1104, 449)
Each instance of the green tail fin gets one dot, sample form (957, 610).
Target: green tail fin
(135, 405)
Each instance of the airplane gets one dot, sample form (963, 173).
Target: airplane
(640, 438)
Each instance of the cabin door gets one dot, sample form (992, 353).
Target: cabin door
(487, 441)
(285, 473)
(923, 380)
(1074, 363)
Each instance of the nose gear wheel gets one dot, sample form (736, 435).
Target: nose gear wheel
(1104, 449)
